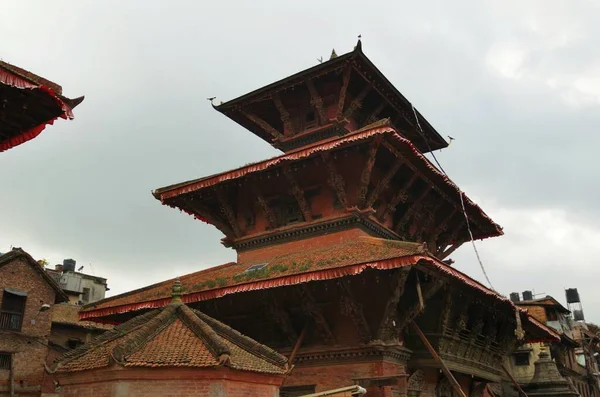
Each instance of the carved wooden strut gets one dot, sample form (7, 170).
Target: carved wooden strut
(298, 193)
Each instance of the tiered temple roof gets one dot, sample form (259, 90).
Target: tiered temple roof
(29, 103)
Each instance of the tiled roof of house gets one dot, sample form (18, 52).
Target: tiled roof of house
(17, 253)
(68, 314)
(336, 260)
(173, 336)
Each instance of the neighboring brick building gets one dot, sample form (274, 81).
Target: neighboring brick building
(27, 296)
(174, 351)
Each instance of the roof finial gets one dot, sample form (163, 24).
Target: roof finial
(359, 44)
(176, 294)
(333, 54)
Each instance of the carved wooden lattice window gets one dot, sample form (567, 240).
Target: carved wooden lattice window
(286, 210)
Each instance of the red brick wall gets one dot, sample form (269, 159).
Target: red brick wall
(29, 345)
(140, 382)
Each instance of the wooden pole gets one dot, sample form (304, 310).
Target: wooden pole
(514, 381)
(437, 358)
(297, 346)
(11, 376)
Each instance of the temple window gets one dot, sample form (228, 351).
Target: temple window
(522, 359)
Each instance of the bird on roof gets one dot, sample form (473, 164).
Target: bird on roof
(320, 60)
(211, 99)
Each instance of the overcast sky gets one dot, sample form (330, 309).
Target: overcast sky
(517, 83)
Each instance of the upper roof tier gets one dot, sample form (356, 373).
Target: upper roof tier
(330, 99)
(30, 103)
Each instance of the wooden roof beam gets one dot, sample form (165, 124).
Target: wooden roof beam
(356, 103)
(411, 210)
(400, 197)
(264, 206)
(407, 316)
(228, 212)
(263, 124)
(343, 92)
(317, 102)
(281, 318)
(365, 176)
(312, 310)
(335, 180)
(384, 182)
(351, 308)
(288, 128)
(298, 193)
(387, 330)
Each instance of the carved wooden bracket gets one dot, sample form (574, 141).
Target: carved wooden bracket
(441, 228)
(264, 206)
(365, 177)
(351, 308)
(288, 128)
(228, 212)
(387, 328)
(298, 193)
(343, 91)
(409, 315)
(400, 197)
(427, 224)
(263, 124)
(311, 309)
(373, 117)
(411, 210)
(357, 102)
(335, 180)
(317, 102)
(384, 182)
(281, 318)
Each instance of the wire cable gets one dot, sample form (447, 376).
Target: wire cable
(460, 194)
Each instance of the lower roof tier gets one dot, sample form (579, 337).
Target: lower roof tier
(373, 178)
(320, 264)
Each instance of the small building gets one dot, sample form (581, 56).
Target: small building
(81, 288)
(30, 103)
(68, 332)
(27, 295)
(174, 350)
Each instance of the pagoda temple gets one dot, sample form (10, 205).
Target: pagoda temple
(341, 242)
(29, 103)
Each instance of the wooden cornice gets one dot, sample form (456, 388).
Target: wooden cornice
(383, 182)
(317, 102)
(288, 128)
(298, 193)
(343, 91)
(263, 124)
(335, 180)
(387, 330)
(312, 310)
(400, 197)
(365, 176)
(350, 307)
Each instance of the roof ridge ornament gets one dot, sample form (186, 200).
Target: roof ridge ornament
(176, 292)
(333, 54)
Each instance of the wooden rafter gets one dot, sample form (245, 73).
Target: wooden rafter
(365, 176)
(426, 225)
(201, 210)
(298, 193)
(288, 128)
(453, 238)
(387, 329)
(357, 102)
(264, 206)
(400, 197)
(343, 91)
(281, 318)
(312, 310)
(384, 182)
(351, 308)
(411, 210)
(374, 115)
(409, 315)
(441, 228)
(448, 251)
(263, 124)
(228, 212)
(317, 102)
(335, 180)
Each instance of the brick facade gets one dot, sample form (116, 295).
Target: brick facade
(29, 346)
